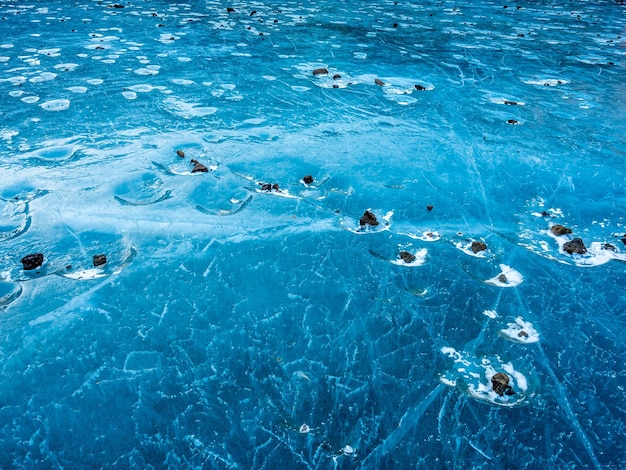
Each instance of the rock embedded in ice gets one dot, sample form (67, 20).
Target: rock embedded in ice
(560, 230)
(336, 76)
(269, 187)
(512, 121)
(478, 247)
(99, 260)
(407, 257)
(502, 278)
(180, 153)
(608, 246)
(575, 246)
(429, 207)
(320, 71)
(368, 218)
(304, 429)
(500, 384)
(198, 167)
(510, 103)
(32, 261)
(308, 179)
(379, 82)
(420, 87)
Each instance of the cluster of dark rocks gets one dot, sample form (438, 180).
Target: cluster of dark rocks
(197, 166)
(377, 81)
(35, 260)
(575, 245)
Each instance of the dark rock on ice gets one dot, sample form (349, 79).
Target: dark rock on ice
(117, 5)
(321, 71)
(32, 261)
(575, 246)
(500, 384)
(230, 10)
(522, 334)
(269, 187)
(198, 167)
(545, 214)
(336, 76)
(420, 87)
(368, 218)
(99, 260)
(510, 103)
(308, 179)
(180, 153)
(560, 230)
(429, 207)
(478, 246)
(407, 257)
(608, 246)
(253, 12)
(502, 278)
(512, 121)
(379, 82)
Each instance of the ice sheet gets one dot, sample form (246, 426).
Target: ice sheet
(236, 326)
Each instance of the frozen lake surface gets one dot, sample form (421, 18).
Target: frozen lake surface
(313, 235)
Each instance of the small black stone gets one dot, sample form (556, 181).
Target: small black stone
(429, 207)
(32, 261)
(608, 246)
(368, 218)
(478, 246)
(560, 230)
(407, 257)
(99, 260)
(500, 384)
(198, 167)
(576, 245)
(308, 179)
(420, 87)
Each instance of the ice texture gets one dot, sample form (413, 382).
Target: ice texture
(240, 325)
